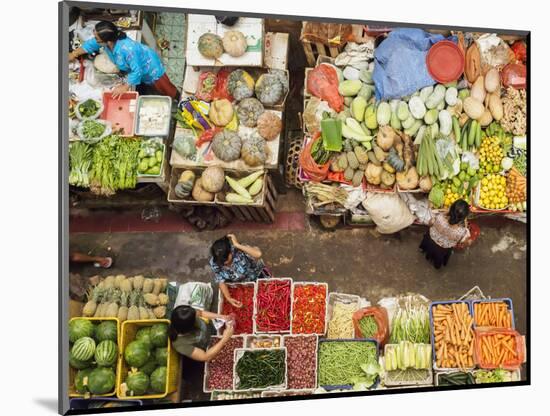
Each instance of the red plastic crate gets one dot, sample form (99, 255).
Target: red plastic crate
(121, 112)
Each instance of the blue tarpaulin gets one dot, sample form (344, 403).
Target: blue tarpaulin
(400, 63)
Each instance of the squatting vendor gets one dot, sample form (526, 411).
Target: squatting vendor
(140, 62)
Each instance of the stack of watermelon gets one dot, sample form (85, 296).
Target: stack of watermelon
(94, 353)
(147, 358)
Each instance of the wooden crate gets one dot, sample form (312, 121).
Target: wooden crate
(313, 50)
(263, 212)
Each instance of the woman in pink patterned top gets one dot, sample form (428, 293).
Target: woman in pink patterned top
(446, 231)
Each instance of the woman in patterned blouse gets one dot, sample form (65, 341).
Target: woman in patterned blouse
(446, 231)
(140, 62)
(234, 262)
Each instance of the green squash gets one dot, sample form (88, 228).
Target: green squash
(81, 380)
(240, 84)
(149, 366)
(185, 184)
(249, 110)
(79, 328)
(269, 89)
(106, 331)
(137, 353)
(226, 145)
(144, 335)
(210, 45)
(254, 150)
(78, 364)
(161, 356)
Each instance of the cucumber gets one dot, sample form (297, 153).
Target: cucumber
(478, 136)
(472, 133)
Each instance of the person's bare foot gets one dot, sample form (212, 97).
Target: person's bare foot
(105, 263)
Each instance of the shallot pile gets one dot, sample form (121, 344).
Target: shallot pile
(301, 362)
(220, 369)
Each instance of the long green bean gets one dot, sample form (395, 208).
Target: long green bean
(340, 361)
(368, 326)
(261, 368)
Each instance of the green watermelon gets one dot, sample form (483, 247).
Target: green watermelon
(137, 383)
(81, 380)
(106, 353)
(144, 335)
(137, 353)
(149, 366)
(159, 335)
(106, 330)
(158, 380)
(77, 364)
(101, 380)
(161, 355)
(80, 328)
(83, 349)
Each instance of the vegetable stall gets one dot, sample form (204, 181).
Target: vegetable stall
(424, 131)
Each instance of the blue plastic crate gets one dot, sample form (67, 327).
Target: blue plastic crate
(79, 404)
(331, 387)
(508, 301)
(432, 338)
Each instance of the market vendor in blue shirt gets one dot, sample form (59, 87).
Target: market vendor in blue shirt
(139, 61)
(234, 262)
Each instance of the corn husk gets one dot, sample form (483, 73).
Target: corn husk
(147, 285)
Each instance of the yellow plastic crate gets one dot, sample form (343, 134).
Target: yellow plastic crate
(129, 330)
(72, 371)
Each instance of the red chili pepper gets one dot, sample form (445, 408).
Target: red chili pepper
(273, 306)
(243, 315)
(308, 309)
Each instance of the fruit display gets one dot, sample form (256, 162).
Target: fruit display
(490, 155)
(146, 361)
(492, 194)
(150, 157)
(127, 298)
(460, 186)
(516, 190)
(93, 356)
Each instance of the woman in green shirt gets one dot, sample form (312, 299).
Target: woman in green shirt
(190, 334)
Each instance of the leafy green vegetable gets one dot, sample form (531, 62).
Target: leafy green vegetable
(92, 129)
(80, 161)
(437, 196)
(115, 162)
(88, 108)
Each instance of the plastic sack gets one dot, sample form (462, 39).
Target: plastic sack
(206, 86)
(221, 91)
(106, 132)
(314, 171)
(474, 234)
(494, 51)
(207, 136)
(195, 294)
(480, 346)
(419, 206)
(520, 51)
(380, 315)
(388, 211)
(403, 48)
(313, 113)
(514, 75)
(184, 144)
(322, 82)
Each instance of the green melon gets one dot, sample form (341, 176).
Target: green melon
(81, 380)
(80, 328)
(137, 383)
(161, 356)
(159, 335)
(77, 364)
(149, 366)
(144, 335)
(158, 380)
(137, 354)
(83, 349)
(106, 353)
(106, 330)
(101, 380)
(210, 45)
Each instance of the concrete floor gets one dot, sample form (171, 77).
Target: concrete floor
(349, 260)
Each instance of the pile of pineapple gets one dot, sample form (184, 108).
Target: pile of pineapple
(127, 298)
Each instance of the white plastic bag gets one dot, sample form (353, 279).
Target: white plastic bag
(419, 207)
(388, 212)
(195, 294)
